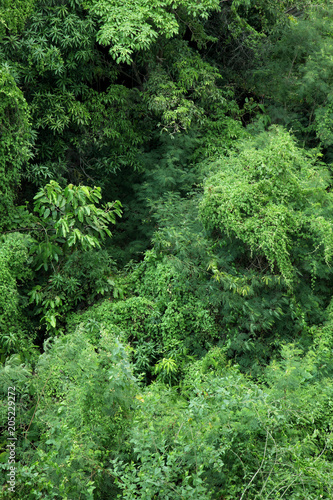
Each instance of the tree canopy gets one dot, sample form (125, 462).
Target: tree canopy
(166, 247)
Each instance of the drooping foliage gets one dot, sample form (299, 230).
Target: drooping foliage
(16, 142)
(271, 196)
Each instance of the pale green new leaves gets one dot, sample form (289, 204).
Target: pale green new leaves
(13, 15)
(272, 197)
(135, 25)
(14, 268)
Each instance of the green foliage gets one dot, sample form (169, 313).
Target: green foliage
(85, 124)
(13, 15)
(232, 438)
(69, 226)
(206, 292)
(69, 218)
(185, 315)
(13, 374)
(182, 88)
(206, 370)
(115, 132)
(136, 26)
(166, 369)
(273, 198)
(164, 318)
(15, 146)
(240, 29)
(267, 208)
(83, 406)
(15, 269)
(133, 318)
(83, 278)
